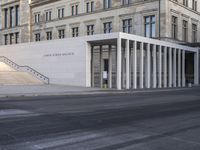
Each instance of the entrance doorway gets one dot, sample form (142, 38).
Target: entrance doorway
(103, 66)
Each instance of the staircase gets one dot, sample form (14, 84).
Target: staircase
(13, 74)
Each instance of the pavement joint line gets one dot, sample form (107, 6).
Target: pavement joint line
(92, 92)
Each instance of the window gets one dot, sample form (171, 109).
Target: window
(185, 3)
(89, 6)
(61, 13)
(12, 18)
(17, 37)
(49, 35)
(48, 15)
(90, 29)
(61, 34)
(6, 18)
(126, 2)
(107, 27)
(17, 15)
(194, 5)
(150, 26)
(74, 10)
(92, 6)
(127, 25)
(11, 38)
(75, 32)
(194, 33)
(185, 30)
(107, 4)
(37, 18)
(37, 37)
(6, 39)
(174, 27)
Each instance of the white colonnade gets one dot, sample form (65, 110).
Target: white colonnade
(149, 63)
(167, 69)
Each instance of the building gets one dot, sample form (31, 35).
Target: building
(15, 21)
(175, 21)
(38, 20)
(118, 60)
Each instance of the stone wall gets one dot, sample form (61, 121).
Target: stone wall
(63, 61)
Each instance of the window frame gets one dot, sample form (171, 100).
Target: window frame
(150, 23)
(174, 27)
(107, 27)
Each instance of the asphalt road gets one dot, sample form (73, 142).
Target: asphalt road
(142, 121)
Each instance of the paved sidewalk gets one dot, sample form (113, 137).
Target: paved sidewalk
(47, 90)
(35, 90)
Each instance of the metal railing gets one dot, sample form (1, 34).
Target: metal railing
(25, 69)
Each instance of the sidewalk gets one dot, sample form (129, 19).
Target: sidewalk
(50, 90)
(39, 90)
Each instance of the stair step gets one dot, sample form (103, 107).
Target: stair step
(10, 76)
(19, 78)
(5, 67)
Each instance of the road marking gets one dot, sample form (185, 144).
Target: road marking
(67, 141)
(11, 113)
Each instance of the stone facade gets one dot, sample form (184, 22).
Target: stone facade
(136, 10)
(20, 31)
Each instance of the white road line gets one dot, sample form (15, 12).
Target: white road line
(12, 113)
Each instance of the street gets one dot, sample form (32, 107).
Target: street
(168, 120)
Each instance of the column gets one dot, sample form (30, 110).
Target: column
(119, 64)
(170, 68)
(165, 67)
(148, 67)
(174, 67)
(135, 65)
(123, 67)
(183, 68)
(101, 67)
(127, 65)
(179, 67)
(160, 67)
(110, 67)
(196, 67)
(141, 65)
(92, 66)
(154, 67)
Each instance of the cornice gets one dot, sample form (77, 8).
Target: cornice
(9, 3)
(188, 8)
(36, 3)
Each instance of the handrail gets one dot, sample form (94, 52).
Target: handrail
(25, 68)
